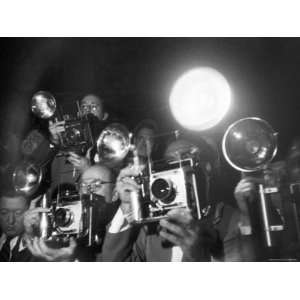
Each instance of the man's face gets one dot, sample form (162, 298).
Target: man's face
(93, 105)
(144, 141)
(97, 180)
(12, 211)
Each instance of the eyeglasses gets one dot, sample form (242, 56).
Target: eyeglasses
(92, 186)
(89, 108)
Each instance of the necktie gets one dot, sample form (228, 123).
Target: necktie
(5, 251)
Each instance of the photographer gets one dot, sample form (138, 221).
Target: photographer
(98, 180)
(234, 224)
(179, 237)
(17, 240)
(13, 208)
(244, 239)
(67, 169)
(89, 104)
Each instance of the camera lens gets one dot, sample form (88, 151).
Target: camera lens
(72, 136)
(62, 217)
(163, 190)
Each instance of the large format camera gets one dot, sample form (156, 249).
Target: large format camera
(71, 215)
(78, 135)
(170, 185)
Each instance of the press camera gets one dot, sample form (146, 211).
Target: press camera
(77, 135)
(170, 185)
(70, 216)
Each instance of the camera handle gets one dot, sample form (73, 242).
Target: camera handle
(44, 219)
(90, 207)
(199, 214)
(294, 191)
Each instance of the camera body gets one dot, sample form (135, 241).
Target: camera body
(77, 135)
(69, 216)
(170, 185)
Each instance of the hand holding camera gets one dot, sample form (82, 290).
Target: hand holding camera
(167, 186)
(194, 237)
(32, 220)
(245, 191)
(176, 228)
(56, 128)
(80, 163)
(38, 248)
(126, 188)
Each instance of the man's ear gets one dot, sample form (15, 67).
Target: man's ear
(115, 195)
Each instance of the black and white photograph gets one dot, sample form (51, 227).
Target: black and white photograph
(164, 133)
(150, 149)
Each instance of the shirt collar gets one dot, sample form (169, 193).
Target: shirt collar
(13, 242)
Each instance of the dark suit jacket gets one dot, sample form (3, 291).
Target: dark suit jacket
(137, 245)
(20, 256)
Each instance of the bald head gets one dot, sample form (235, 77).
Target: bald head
(100, 179)
(98, 170)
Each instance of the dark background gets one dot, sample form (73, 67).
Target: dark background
(135, 77)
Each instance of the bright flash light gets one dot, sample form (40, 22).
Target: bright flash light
(200, 98)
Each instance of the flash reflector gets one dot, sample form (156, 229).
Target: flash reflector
(200, 98)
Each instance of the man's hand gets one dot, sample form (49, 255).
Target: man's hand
(39, 249)
(32, 220)
(194, 237)
(127, 189)
(245, 190)
(80, 163)
(55, 130)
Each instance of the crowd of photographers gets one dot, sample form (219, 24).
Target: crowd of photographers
(226, 234)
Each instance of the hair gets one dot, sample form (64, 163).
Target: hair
(147, 123)
(9, 193)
